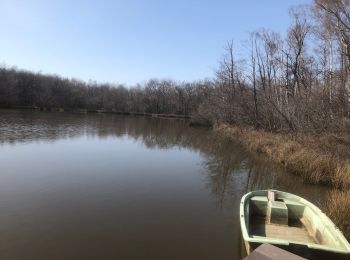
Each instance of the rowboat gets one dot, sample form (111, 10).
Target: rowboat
(291, 223)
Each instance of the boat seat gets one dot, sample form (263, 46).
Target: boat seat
(277, 213)
(295, 209)
(258, 205)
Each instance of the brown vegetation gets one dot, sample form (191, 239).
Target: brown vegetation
(337, 207)
(294, 84)
(303, 155)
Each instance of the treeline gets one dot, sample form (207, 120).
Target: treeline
(20, 88)
(297, 83)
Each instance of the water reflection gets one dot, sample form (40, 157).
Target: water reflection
(231, 169)
(152, 188)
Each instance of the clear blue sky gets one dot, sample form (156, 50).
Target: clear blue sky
(130, 41)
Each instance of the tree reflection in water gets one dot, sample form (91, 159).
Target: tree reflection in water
(230, 169)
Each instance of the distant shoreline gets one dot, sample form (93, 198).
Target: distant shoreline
(97, 111)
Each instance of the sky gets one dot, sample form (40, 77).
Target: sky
(131, 41)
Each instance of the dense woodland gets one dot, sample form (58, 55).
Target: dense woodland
(296, 83)
(26, 89)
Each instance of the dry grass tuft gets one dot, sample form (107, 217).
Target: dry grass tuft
(337, 207)
(316, 159)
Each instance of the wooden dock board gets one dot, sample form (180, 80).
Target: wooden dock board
(270, 252)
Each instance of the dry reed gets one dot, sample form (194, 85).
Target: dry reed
(316, 160)
(337, 207)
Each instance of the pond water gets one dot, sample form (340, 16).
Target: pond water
(99, 186)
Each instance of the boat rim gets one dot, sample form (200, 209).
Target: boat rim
(285, 242)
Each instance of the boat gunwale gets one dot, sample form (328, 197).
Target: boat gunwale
(286, 242)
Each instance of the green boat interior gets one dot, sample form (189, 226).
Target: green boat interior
(277, 217)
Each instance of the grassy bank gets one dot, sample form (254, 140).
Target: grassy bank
(337, 207)
(316, 159)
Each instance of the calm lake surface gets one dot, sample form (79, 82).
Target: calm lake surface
(94, 186)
